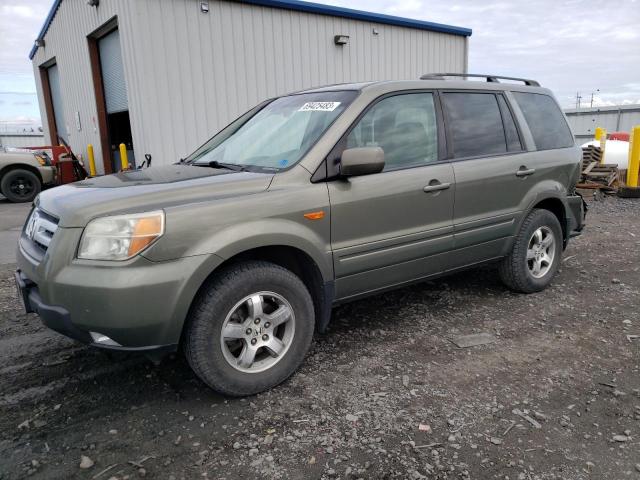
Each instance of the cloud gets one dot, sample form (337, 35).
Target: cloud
(20, 23)
(570, 46)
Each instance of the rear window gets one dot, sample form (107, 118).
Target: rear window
(475, 124)
(546, 122)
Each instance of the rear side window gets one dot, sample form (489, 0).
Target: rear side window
(475, 124)
(545, 120)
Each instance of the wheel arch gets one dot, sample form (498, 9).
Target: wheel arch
(556, 206)
(20, 166)
(293, 259)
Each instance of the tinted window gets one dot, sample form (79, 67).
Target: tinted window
(545, 120)
(510, 130)
(404, 126)
(475, 124)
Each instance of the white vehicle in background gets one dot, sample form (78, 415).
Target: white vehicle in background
(23, 173)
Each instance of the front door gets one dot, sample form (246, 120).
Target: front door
(394, 226)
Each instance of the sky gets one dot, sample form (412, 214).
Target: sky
(569, 46)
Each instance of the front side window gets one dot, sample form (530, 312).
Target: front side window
(278, 135)
(546, 122)
(475, 124)
(404, 126)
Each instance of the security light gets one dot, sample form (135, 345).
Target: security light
(341, 39)
(93, 3)
(39, 42)
(204, 7)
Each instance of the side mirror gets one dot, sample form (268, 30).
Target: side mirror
(361, 161)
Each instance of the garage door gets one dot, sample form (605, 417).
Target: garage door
(56, 101)
(115, 90)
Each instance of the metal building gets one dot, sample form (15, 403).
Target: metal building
(619, 118)
(162, 76)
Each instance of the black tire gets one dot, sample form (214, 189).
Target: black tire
(217, 299)
(19, 185)
(514, 270)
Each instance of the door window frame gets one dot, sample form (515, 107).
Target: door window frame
(449, 132)
(328, 168)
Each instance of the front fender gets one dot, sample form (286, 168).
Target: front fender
(231, 226)
(273, 232)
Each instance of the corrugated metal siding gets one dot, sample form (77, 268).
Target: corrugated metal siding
(583, 123)
(18, 140)
(188, 74)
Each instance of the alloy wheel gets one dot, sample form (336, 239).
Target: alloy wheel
(257, 332)
(541, 251)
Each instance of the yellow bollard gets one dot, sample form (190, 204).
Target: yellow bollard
(634, 157)
(598, 134)
(601, 135)
(92, 160)
(124, 161)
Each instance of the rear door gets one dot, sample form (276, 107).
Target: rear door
(491, 169)
(394, 226)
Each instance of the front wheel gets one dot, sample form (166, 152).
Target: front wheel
(536, 253)
(20, 185)
(250, 328)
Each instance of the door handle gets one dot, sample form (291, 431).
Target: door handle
(434, 187)
(525, 172)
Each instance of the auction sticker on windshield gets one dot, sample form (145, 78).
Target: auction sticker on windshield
(319, 107)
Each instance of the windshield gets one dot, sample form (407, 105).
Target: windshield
(278, 135)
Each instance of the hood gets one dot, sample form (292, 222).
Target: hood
(149, 189)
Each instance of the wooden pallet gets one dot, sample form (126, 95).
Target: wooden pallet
(591, 154)
(596, 174)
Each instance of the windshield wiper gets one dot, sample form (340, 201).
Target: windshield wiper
(228, 166)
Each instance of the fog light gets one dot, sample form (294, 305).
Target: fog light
(101, 339)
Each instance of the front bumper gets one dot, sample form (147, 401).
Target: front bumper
(139, 305)
(59, 319)
(48, 175)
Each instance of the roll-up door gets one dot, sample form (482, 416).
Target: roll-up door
(56, 101)
(115, 89)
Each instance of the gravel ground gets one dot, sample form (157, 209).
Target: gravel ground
(384, 394)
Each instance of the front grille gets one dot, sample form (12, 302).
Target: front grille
(40, 228)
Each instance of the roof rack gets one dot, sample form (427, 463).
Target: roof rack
(490, 78)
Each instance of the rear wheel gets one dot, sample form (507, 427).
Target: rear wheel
(19, 185)
(536, 253)
(250, 328)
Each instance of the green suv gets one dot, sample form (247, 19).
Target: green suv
(238, 253)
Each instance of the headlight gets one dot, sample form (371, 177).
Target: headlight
(120, 237)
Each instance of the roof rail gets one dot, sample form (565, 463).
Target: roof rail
(490, 78)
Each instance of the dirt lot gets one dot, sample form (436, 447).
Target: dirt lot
(385, 394)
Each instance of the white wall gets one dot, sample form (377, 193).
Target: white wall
(584, 121)
(19, 140)
(189, 73)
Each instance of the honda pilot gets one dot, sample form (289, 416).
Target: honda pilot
(237, 254)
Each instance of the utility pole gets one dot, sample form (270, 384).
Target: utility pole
(578, 98)
(591, 105)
